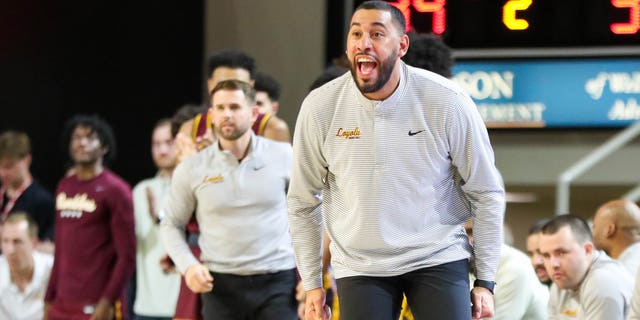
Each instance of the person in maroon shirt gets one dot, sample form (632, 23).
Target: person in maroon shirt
(95, 235)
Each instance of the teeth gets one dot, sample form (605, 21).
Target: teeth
(364, 59)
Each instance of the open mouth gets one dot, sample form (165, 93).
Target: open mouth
(366, 65)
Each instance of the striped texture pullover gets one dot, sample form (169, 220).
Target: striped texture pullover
(394, 180)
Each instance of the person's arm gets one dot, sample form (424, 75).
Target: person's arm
(177, 210)
(277, 129)
(123, 235)
(472, 155)
(309, 168)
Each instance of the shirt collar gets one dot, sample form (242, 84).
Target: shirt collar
(251, 154)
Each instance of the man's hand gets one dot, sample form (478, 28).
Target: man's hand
(482, 301)
(166, 264)
(198, 278)
(315, 307)
(104, 310)
(301, 296)
(204, 141)
(185, 146)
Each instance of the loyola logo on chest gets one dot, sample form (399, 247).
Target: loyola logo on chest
(349, 134)
(213, 179)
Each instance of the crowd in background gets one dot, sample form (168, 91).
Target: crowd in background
(98, 249)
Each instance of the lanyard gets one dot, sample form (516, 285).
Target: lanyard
(11, 200)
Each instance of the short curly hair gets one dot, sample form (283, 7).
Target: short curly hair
(268, 84)
(98, 125)
(232, 58)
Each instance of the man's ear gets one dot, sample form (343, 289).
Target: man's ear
(404, 45)
(275, 105)
(254, 113)
(27, 160)
(588, 247)
(611, 230)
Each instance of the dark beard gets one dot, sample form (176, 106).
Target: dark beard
(233, 135)
(383, 77)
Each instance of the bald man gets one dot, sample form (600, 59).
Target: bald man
(616, 230)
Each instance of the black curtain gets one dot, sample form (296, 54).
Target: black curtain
(132, 62)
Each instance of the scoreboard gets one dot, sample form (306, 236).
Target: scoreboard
(525, 23)
(537, 63)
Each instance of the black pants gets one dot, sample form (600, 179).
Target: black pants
(439, 292)
(259, 297)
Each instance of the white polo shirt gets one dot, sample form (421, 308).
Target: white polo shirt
(241, 208)
(29, 304)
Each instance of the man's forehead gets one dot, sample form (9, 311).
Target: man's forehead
(227, 73)
(372, 17)
(8, 161)
(163, 128)
(532, 239)
(562, 238)
(84, 129)
(162, 132)
(15, 229)
(228, 95)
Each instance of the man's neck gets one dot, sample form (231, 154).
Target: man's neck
(88, 171)
(23, 276)
(165, 172)
(616, 251)
(239, 147)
